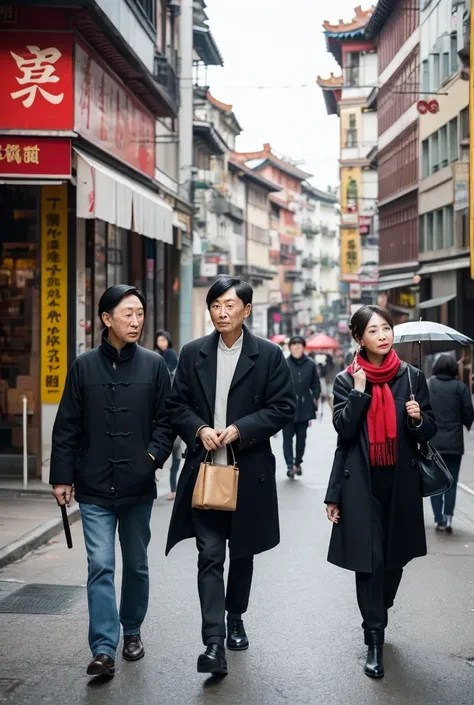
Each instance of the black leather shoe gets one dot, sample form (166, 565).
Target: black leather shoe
(101, 665)
(374, 666)
(236, 637)
(133, 649)
(213, 660)
(298, 470)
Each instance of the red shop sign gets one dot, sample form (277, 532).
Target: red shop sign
(37, 81)
(35, 156)
(109, 116)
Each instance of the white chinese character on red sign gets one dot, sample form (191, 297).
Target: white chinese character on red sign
(36, 71)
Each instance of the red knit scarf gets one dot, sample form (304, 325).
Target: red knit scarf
(382, 416)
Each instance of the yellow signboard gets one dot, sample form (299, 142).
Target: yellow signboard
(350, 254)
(53, 292)
(471, 150)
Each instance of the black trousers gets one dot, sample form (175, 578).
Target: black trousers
(376, 591)
(298, 429)
(212, 532)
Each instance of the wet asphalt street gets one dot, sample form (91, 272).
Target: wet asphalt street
(303, 622)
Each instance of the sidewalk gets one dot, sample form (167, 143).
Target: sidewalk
(30, 518)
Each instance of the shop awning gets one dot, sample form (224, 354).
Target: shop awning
(439, 301)
(107, 194)
(445, 266)
(396, 283)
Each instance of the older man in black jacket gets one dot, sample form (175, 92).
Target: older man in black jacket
(110, 434)
(231, 388)
(308, 390)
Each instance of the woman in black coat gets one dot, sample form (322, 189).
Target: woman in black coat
(452, 408)
(374, 497)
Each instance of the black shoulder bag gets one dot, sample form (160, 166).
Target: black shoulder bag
(435, 476)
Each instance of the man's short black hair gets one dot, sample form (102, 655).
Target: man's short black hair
(298, 340)
(243, 290)
(114, 295)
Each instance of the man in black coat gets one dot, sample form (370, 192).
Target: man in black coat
(308, 390)
(111, 433)
(230, 388)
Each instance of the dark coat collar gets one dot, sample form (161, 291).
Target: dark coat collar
(206, 366)
(249, 345)
(126, 353)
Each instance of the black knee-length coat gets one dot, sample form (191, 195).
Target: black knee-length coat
(350, 486)
(261, 402)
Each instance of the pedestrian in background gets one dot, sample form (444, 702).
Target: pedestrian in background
(308, 390)
(111, 433)
(164, 346)
(452, 408)
(231, 388)
(374, 497)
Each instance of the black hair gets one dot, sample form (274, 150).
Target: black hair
(360, 319)
(446, 365)
(297, 340)
(114, 295)
(165, 334)
(243, 290)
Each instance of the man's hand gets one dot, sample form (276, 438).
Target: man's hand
(332, 511)
(210, 438)
(229, 435)
(62, 494)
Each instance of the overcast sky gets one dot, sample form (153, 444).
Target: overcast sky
(278, 43)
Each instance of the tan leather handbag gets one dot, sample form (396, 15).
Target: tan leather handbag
(216, 486)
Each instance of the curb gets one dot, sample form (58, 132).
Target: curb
(35, 538)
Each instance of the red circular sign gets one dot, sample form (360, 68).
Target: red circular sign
(433, 106)
(422, 107)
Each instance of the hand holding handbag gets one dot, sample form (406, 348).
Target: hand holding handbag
(435, 476)
(216, 486)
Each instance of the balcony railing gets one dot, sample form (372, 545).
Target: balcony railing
(309, 262)
(309, 286)
(310, 230)
(293, 275)
(165, 76)
(223, 206)
(351, 138)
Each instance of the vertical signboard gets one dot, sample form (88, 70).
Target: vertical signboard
(350, 254)
(53, 292)
(471, 150)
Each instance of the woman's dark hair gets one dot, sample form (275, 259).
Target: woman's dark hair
(114, 295)
(360, 319)
(243, 290)
(164, 334)
(298, 340)
(445, 365)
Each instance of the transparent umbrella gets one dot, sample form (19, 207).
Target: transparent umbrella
(430, 337)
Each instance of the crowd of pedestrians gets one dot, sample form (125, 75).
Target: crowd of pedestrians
(125, 410)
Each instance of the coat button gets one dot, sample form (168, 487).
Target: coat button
(261, 478)
(347, 473)
(255, 400)
(413, 463)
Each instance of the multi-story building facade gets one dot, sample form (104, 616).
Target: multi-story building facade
(444, 178)
(394, 26)
(287, 177)
(88, 199)
(319, 220)
(351, 97)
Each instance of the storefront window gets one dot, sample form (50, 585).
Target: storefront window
(100, 273)
(148, 339)
(19, 318)
(117, 261)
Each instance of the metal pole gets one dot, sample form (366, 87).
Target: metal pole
(25, 443)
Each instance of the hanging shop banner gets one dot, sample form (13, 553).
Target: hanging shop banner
(53, 292)
(35, 156)
(350, 254)
(109, 116)
(37, 81)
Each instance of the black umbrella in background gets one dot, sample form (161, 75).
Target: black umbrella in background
(429, 338)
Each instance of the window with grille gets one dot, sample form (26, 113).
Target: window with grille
(147, 8)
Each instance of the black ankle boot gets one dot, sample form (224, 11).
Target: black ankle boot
(374, 664)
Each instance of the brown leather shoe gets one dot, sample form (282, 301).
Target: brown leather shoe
(101, 665)
(133, 649)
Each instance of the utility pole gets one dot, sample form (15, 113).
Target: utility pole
(186, 166)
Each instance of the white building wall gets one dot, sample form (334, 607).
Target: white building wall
(131, 29)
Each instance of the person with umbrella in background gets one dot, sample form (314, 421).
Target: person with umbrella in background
(164, 346)
(452, 407)
(374, 497)
(308, 390)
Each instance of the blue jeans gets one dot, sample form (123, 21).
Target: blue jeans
(443, 504)
(99, 525)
